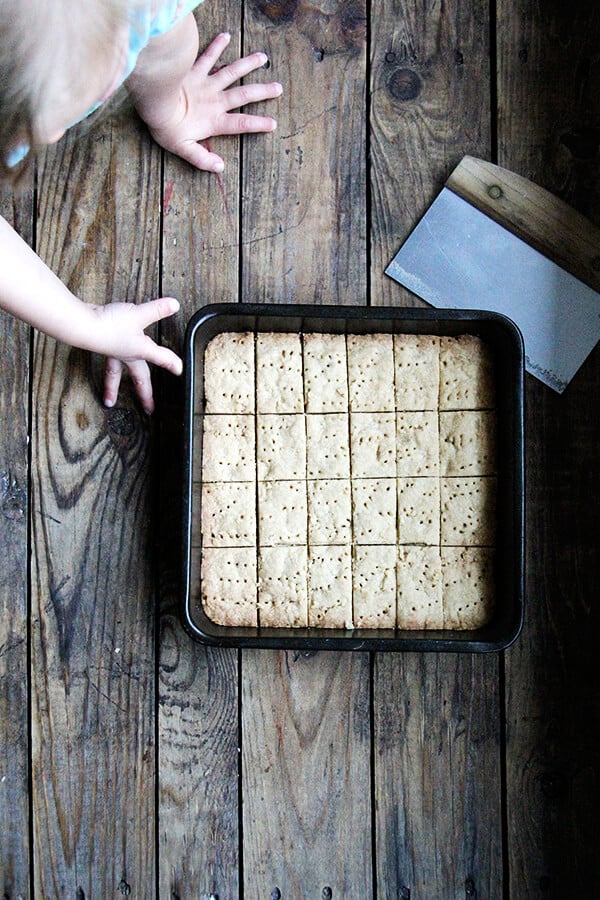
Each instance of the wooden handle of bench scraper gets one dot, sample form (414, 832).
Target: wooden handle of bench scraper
(535, 215)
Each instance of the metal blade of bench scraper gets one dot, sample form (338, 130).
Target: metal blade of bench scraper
(457, 257)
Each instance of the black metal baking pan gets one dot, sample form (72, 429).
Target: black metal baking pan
(507, 344)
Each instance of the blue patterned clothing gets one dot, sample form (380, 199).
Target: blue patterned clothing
(150, 20)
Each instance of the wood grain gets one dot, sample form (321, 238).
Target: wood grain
(14, 637)
(437, 776)
(548, 112)
(198, 690)
(437, 757)
(304, 213)
(305, 758)
(92, 648)
(430, 104)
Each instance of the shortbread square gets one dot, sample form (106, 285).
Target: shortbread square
(467, 378)
(282, 594)
(371, 372)
(468, 442)
(469, 593)
(329, 512)
(374, 579)
(228, 452)
(419, 511)
(374, 510)
(468, 511)
(279, 386)
(327, 445)
(280, 447)
(330, 587)
(419, 582)
(228, 585)
(282, 514)
(325, 373)
(373, 445)
(228, 514)
(417, 444)
(229, 373)
(417, 371)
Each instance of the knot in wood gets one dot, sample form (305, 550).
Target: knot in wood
(121, 421)
(495, 192)
(83, 422)
(353, 24)
(326, 893)
(404, 84)
(277, 10)
(470, 890)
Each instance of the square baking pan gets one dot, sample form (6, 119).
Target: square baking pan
(505, 341)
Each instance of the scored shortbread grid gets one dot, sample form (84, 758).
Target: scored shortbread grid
(348, 481)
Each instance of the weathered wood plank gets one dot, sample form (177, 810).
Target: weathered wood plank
(437, 776)
(430, 105)
(305, 726)
(92, 649)
(304, 213)
(437, 745)
(547, 130)
(198, 768)
(305, 757)
(198, 687)
(14, 506)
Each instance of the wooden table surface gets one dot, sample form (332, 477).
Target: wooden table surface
(134, 762)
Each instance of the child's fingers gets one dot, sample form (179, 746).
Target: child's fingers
(113, 370)
(242, 123)
(199, 157)
(154, 310)
(140, 377)
(232, 72)
(210, 57)
(163, 357)
(251, 93)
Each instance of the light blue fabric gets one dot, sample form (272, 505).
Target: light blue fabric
(147, 22)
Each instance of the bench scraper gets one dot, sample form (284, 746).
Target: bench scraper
(493, 240)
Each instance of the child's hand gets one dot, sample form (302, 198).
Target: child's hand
(120, 336)
(31, 291)
(204, 104)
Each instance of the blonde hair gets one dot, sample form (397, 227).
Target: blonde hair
(46, 48)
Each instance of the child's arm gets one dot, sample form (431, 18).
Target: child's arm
(184, 100)
(31, 291)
